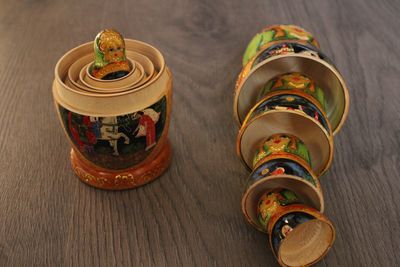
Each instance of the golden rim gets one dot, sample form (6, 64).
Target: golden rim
(329, 138)
(300, 208)
(288, 156)
(308, 193)
(130, 62)
(301, 94)
(295, 92)
(129, 43)
(136, 75)
(328, 66)
(247, 68)
(331, 239)
(268, 44)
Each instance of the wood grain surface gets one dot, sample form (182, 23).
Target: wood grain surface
(191, 215)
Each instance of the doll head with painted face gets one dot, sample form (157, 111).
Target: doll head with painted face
(109, 53)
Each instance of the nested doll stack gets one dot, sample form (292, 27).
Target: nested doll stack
(113, 98)
(290, 100)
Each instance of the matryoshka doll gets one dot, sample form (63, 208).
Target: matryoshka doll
(284, 199)
(113, 97)
(289, 102)
(109, 56)
(285, 49)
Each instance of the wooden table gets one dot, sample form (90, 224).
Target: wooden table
(191, 216)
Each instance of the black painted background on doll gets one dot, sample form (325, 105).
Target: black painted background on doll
(292, 220)
(282, 100)
(291, 168)
(295, 47)
(101, 152)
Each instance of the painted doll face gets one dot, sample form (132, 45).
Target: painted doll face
(113, 51)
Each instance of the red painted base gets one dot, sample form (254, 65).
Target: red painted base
(122, 179)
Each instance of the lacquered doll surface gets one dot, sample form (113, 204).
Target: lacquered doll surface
(49, 218)
(285, 225)
(116, 142)
(284, 58)
(109, 54)
(271, 202)
(278, 167)
(280, 144)
(295, 103)
(296, 82)
(285, 48)
(276, 33)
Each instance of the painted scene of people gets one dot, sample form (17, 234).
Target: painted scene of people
(117, 142)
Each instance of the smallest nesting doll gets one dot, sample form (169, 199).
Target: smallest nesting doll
(109, 56)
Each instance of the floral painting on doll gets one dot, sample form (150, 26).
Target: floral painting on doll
(270, 202)
(116, 142)
(284, 48)
(281, 166)
(282, 143)
(275, 33)
(297, 82)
